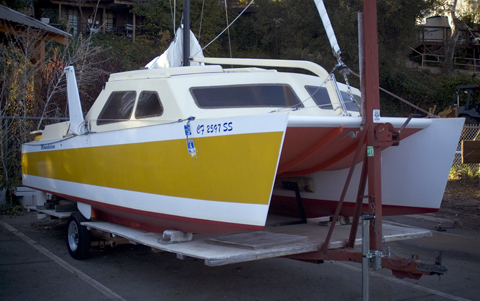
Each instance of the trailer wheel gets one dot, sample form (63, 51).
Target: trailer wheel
(78, 237)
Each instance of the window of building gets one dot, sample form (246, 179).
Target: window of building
(109, 25)
(73, 21)
(118, 107)
(264, 95)
(148, 105)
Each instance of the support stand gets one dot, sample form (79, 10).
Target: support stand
(367, 256)
(301, 210)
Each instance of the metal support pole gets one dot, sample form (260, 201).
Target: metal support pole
(358, 204)
(366, 255)
(186, 32)
(372, 96)
(361, 66)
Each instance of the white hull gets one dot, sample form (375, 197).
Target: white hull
(414, 174)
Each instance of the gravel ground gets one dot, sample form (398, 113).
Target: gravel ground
(461, 203)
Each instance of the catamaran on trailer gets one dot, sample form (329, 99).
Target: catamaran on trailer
(207, 149)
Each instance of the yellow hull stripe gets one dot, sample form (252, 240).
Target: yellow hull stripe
(233, 168)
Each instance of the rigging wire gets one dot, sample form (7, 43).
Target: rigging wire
(171, 12)
(174, 16)
(228, 29)
(201, 21)
(401, 99)
(246, 7)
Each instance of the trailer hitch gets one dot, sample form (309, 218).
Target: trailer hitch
(414, 268)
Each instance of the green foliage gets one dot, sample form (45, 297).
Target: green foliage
(448, 86)
(29, 88)
(158, 23)
(281, 29)
(464, 171)
(16, 4)
(12, 209)
(123, 54)
(157, 17)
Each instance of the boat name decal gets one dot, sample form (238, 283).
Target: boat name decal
(214, 128)
(48, 146)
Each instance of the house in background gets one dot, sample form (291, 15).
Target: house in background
(430, 47)
(110, 16)
(35, 32)
(106, 16)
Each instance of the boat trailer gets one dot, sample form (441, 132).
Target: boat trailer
(282, 237)
(309, 241)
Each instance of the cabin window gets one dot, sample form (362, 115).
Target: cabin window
(148, 105)
(118, 107)
(321, 98)
(351, 106)
(245, 96)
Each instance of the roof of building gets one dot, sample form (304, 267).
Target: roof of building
(14, 16)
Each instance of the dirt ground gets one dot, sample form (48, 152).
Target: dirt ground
(461, 203)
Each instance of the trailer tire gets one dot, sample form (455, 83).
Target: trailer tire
(78, 237)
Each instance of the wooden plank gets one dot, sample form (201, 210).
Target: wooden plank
(257, 240)
(216, 255)
(54, 213)
(470, 151)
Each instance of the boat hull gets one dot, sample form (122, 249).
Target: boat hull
(414, 174)
(149, 178)
(157, 178)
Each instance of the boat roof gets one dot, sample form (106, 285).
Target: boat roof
(169, 72)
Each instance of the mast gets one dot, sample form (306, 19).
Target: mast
(186, 32)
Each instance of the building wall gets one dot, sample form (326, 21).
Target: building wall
(81, 20)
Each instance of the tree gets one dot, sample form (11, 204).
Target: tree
(207, 20)
(20, 105)
(462, 16)
(16, 4)
(451, 42)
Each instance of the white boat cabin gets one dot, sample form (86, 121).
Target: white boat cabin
(155, 96)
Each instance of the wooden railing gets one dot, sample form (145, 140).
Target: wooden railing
(438, 35)
(433, 60)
